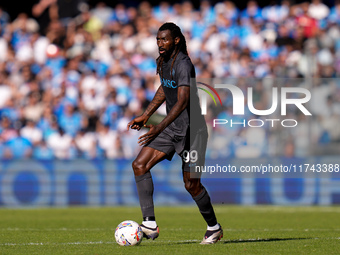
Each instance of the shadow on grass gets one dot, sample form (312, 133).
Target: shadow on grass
(265, 240)
(230, 241)
(175, 243)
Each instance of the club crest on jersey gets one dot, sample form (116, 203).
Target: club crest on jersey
(168, 83)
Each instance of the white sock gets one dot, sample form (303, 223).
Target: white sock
(150, 224)
(216, 227)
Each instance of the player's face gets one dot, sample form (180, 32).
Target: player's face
(165, 42)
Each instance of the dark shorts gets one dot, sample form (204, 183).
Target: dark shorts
(191, 148)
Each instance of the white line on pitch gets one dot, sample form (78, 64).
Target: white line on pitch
(85, 243)
(168, 241)
(56, 229)
(168, 229)
(38, 244)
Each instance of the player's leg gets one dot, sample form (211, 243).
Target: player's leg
(201, 197)
(146, 159)
(195, 156)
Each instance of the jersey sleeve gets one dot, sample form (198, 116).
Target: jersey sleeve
(186, 72)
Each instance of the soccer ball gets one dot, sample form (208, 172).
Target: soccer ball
(128, 233)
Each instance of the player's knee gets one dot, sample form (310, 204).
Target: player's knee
(192, 187)
(138, 168)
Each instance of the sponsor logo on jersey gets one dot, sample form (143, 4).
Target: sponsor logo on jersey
(168, 83)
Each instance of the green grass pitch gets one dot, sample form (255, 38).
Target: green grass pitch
(247, 230)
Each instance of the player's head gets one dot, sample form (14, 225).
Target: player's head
(170, 42)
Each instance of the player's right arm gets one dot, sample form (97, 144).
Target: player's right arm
(156, 102)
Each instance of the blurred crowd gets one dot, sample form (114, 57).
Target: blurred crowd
(72, 75)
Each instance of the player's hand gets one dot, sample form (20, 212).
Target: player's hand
(137, 123)
(153, 132)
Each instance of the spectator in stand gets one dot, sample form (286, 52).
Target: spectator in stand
(334, 15)
(102, 12)
(42, 152)
(5, 90)
(34, 108)
(70, 121)
(306, 22)
(86, 144)
(47, 122)
(7, 131)
(12, 112)
(91, 119)
(31, 132)
(93, 100)
(4, 19)
(18, 147)
(284, 38)
(62, 145)
(276, 13)
(43, 11)
(318, 10)
(107, 141)
(252, 11)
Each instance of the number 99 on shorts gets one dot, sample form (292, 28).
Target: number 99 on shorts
(190, 156)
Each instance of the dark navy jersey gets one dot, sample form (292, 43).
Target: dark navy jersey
(182, 74)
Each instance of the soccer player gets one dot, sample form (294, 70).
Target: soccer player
(174, 133)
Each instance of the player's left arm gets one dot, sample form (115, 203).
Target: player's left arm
(183, 96)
